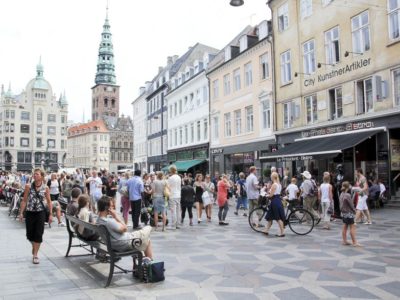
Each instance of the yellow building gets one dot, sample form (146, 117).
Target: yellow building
(241, 101)
(337, 86)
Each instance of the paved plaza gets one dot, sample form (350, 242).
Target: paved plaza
(209, 261)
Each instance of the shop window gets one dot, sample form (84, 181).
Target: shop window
(332, 51)
(283, 17)
(238, 122)
(311, 109)
(360, 32)
(396, 86)
(364, 96)
(335, 103)
(394, 19)
(21, 157)
(309, 57)
(286, 69)
(228, 128)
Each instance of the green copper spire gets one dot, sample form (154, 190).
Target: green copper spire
(39, 68)
(105, 63)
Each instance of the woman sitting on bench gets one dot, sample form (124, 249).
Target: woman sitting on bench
(121, 240)
(85, 214)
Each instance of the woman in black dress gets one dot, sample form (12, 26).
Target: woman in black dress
(199, 189)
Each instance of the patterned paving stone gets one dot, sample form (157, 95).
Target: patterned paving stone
(350, 292)
(391, 287)
(235, 296)
(296, 293)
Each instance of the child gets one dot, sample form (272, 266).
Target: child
(86, 215)
(293, 191)
(348, 211)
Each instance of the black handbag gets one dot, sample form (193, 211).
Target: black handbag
(153, 271)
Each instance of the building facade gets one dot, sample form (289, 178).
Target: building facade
(140, 129)
(337, 87)
(33, 127)
(188, 113)
(88, 146)
(241, 103)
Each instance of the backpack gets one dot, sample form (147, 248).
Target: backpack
(242, 192)
(314, 189)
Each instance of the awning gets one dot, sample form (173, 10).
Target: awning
(331, 145)
(184, 165)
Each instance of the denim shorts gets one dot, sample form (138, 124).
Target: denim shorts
(159, 205)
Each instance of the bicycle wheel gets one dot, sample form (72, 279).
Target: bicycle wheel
(257, 219)
(300, 221)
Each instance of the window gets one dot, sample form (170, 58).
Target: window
(175, 109)
(311, 109)
(39, 129)
(24, 142)
(62, 130)
(394, 19)
(12, 127)
(198, 131)
(360, 32)
(186, 134)
(125, 156)
(24, 128)
(283, 17)
(288, 114)
(228, 128)
(180, 136)
(63, 144)
(396, 86)
(39, 115)
(305, 8)
(38, 142)
(12, 114)
(264, 66)
(180, 106)
(286, 70)
(12, 141)
(236, 79)
(51, 130)
(238, 122)
(205, 94)
(51, 118)
(248, 74)
(215, 131)
(266, 114)
(332, 46)
(364, 96)
(227, 84)
(215, 89)
(51, 143)
(335, 103)
(309, 57)
(101, 150)
(249, 118)
(192, 133)
(63, 119)
(205, 128)
(24, 115)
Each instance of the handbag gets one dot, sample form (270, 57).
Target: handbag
(124, 191)
(166, 191)
(153, 271)
(206, 199)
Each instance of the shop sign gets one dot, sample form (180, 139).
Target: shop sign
(339, 72)
(185, 155)
(217, 151)
(337, 129)
(200, 154)
(294, 158)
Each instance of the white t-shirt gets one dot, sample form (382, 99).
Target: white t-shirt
(325, 197)
(95, 183)
(292, 189)
(251, 189)
(54, 187)
(175, 184)
(382, 188)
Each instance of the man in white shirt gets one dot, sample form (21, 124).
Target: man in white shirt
(252, 188)
(174, 201)
(95, 189)
(292, 190)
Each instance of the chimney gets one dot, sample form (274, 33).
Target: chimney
(175, 58)
(169, 60)
(142, 90)
(148, 84)
(160, 69)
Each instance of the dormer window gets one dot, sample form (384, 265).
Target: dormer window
(243, 43)
(227, 53)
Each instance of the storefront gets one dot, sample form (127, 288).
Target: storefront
(189, 160)
(370, 145)
(235, 159)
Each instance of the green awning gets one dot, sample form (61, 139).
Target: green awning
(184, 165)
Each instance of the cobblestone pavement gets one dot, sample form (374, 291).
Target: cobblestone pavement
(208, 261)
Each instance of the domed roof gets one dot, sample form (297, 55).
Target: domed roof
(39, 82)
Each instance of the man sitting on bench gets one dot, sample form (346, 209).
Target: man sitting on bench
(121, 240)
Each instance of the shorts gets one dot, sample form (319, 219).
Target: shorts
(141, 238)
(55, 205)
(34, 222)
(348, 221)
(362, 203)
(54, 197)
(159, 205)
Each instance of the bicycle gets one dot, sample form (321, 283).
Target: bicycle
(299, 220)
(15, 203)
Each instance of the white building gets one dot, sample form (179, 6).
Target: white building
(188, 112)
(33, 127)
(139, 129)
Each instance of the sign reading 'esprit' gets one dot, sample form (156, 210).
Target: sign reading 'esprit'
(339, 72)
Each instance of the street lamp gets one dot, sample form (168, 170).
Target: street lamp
(236, 2)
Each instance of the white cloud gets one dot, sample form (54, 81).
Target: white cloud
(67, 35)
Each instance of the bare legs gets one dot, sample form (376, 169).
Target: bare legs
(281, 227)
(199, 207)
(352, 235)
(208, 212)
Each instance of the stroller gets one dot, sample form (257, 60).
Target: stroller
(150, 211)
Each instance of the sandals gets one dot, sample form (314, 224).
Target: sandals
(35, 260)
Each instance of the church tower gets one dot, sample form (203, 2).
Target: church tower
(105, 93)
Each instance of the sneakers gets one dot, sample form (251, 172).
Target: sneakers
(61, 224)
(368, 223)
(223, 223)
(35, 260)
(245, 215)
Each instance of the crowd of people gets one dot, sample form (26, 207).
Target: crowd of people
(169, 197)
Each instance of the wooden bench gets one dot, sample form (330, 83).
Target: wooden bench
(103, 244)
